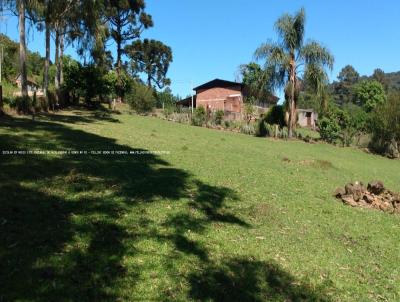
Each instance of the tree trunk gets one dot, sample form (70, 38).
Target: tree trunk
(61, 63)
(119, 66)
(47, 61)
(1, 101)
(56, 60)
(292, 103)
(119, 62)
(149, 81)
(22, 48)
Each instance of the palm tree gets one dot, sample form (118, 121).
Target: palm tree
(289, 59)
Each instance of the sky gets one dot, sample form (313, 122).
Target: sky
(211, 38)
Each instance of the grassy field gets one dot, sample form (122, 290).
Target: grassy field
(222, 217)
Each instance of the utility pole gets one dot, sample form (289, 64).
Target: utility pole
(191, 91)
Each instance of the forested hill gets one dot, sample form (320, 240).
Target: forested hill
(10, 66)
(393, 79)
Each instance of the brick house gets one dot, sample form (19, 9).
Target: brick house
(221, 95)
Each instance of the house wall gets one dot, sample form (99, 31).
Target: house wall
(218, 98)
(302, 118)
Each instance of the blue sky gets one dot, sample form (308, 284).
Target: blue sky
(211, 38)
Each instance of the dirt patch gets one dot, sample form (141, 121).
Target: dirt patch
(372, 196)
(315, 163)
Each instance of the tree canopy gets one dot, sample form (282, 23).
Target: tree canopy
(152, 58)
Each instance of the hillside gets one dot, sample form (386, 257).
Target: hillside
(219, 217)
(10, 67)
(394, 79)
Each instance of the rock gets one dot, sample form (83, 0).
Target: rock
(339, 192)
(392, 149)
(375, 196)
(349, 200)
(386, 206)
(356, 189)
(368, 197)
(396, 201)
(376, 187)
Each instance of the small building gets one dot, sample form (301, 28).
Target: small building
(307, 117)
(32, 85)
(222, 95)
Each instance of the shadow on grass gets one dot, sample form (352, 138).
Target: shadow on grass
(79, 116)
(63, 229)
(249, 280)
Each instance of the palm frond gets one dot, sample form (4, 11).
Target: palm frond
(315, 53)
(291, 30)
(276, 64)
(316, 78)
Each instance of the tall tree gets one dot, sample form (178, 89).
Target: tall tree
(284, 60)
(127, 19)
(22, 46)
(255, 81)
(348, 75)
(380, 76)
(369, 94)
(152, 58)
(343, 89)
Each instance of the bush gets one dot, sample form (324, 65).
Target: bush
(342, 125)
(276, 115)
(11, 102)
(385, 126)
(141, 99)
(369, 94)
(247, 129)
(329, 129)
(23, 104)
(219, 117)
(199, 117)
(227, 124)
(168, 111)
(261, 128)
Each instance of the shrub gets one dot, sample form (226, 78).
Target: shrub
(247, 129)
(261, 128)
(23, 104)
(329, 129)
(51, 98)
(369, 94)
(141, 99)
(227, 124)
(219, 117)
(342, 125)
(11, 102)
(276, 115)
(168, 111)
(385, 126)
(249, 111)
(199, 117)
(283, 133)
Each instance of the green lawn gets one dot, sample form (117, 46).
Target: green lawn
(221, 218)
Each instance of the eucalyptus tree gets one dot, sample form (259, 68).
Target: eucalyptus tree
(20, 7)
(25, 10)
(152, 58)
(21, 4)
(126, 20)
(290, 59)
